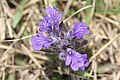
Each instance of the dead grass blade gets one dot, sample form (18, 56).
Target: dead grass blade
(77, 12)
(108, 19)
(35, 61)
(105, 46)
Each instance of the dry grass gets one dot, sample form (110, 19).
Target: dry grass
(19, 22)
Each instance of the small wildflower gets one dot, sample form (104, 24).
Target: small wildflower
(61, 40)
(46, 26)
(62, 56)
(52, 11)
(79, 30)
(41, 41)
(76, 60)
(50, 24)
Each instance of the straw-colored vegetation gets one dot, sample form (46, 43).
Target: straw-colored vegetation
(19, 22)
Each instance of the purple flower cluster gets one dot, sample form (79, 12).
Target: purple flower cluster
(53, 34)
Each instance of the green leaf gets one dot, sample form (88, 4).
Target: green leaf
(20, 60)
(88, 12)
(19, 13)
(84, 73)
(26, 33)
(100, 6)
(10, 77)
(106, 68)
(114, 10)
(55, 3)
(17, 17)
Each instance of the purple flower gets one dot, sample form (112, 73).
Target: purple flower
(52, 11)
(79, 30)
(76, 60)
(46, 26)
(50, 24)
(60, 40)
(62, 56)
(41, 41)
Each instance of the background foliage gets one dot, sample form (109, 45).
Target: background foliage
(19, 22)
